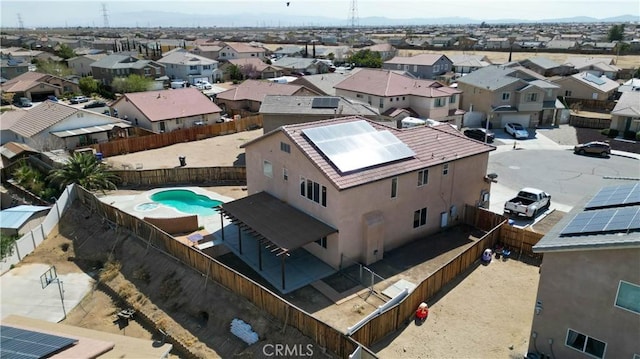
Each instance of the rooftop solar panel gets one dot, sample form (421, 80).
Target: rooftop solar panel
(604, 220)
(628, 194)
(325, 102)
(594, 79)
(22, 344)
(355, 145)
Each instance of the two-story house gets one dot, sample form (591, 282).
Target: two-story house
(11, 68)
(252, 68)
(546, 67)
(363, 187)
(463, 64)
(81, 65)
(37, 86)
(385, 50)
(181, 64)
(598, 66)
(588, 301)
(423, 66)
(587, 86)
(504, 94)
(240, 50)
(110, 67)
(389, 91)
(167, 110)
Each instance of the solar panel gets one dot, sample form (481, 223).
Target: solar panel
(595, 79)
(21, 343)
(604, 220)
(325, 102)
(356, 145)
(623, 195)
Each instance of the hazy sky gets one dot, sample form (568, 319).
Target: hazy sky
(88, 12)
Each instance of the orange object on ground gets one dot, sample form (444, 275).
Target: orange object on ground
(423, 311)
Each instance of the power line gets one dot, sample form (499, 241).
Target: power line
(353, 14)
(20, 23)
(105, 15)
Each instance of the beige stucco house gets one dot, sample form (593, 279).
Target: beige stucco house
(626, 115)
(588, 302)
(378, 187)
(587, 86)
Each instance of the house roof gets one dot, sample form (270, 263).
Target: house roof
(422, 59)
(253, 61)
(275, 104)
(585, 61)
(384, 47)
(322, 83)
(470, 60)
(25, 81)
(294, 62)
(542, 62)
(9, 118)
(122, 62)
(15, 217)
(628, 105)
(255, 90)
(41, 117)
(170, 104)
(183, 57)
(12, 149)
(241, 47)
(387, 83)
(432, 146)
(495, 77)
(601, 83)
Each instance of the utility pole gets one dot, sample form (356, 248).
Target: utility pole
(20, 23)
(353, 14)
(105, 16)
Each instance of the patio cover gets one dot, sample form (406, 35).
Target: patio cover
(275, 222)
(89, 130)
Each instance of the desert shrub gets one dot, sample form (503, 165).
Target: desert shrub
(111, 270)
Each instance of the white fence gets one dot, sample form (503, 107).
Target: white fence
(30, 241)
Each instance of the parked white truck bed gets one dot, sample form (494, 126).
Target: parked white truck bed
(529, 202)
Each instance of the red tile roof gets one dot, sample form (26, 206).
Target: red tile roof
(255, 90)
(241, 47)
(387, 83)
(432, 146)
(170, 104)
(422, 59)
(252, 61)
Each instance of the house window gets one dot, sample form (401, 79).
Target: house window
(193, 67)
(323, 201)
(628, 297)
(585, 344)
(206, 67)
(532, 97)
(567, 93)
(423, 177)
(394, 187)
(436, 68)
(506, 96)
(285, 174)
(313, 191)
(285, 147)
(147, 71)
(445, 169)
(452, 99)
(440, 101)
(381, 102)
(162, 126)
(402, 98)
(267, 169)
(399, 66)
(415, 68)
(420, 217)
(322, 242)
(358, 95)
(178, 121)
(391, 99)
(80, 115)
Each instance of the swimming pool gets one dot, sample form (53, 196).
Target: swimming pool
(187, 201)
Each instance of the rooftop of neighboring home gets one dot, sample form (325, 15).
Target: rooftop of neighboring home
(9, 118)
(184, 57)
(242, 47)
(601, 63)
(294, 62)
(470, 60)
(431, 146)
(258, 64)
(170, 104)
(495, 77)
(422, 59)
(387, 83)
(12, 149)
(628, 105)
(120, 62)
(601, 83)
(255, 90)
(323, 83)
(385, 47)
(94, 57)
(315, 105)
(542, 62)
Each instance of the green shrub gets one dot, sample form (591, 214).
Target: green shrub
(612, 133)
(638, 136)
(629, 135)
(605, 131)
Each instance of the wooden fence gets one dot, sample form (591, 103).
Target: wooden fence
(605, 106)
(323, 334)
(397, 317)
(578, 121)
(143, 143)
(520, 241)
(182, 175)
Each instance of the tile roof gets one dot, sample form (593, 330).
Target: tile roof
(122, 62)
(258, 64)
(543, 62)
(422, 59)
(602, 83)
(294, 62)
(276, 104)
(41, 117)
(182, 57)
(628, 105)
(387, 83)
(495, 77)
(432, 146)
(323, 83)
(9, 118)
(585, 61)
(255, 90)
(469, 60)
(241, 47)
(170, 104)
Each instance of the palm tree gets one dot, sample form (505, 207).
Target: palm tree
(85, 170)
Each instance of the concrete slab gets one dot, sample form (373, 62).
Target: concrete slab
(393, 290)
(22, 293)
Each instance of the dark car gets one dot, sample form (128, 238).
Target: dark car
(479, 134)
(95, 104)
(602, 149)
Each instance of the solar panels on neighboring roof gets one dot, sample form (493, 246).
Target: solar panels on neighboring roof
(595, 79)
(325, 102)
(21, 343)
(604, 220)
(623, 195)
(356, 145)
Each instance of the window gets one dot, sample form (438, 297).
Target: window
(147, 71)
(403, 98)
(178, 121)
(206, 67)
(394, 187)
(532, 97)
(445, 169)
(267, 169)
(423, 177)
(359, 95)
(381, 102)
(506, 96)
(420, 217)
(415, 68)
(440, 101)
(285, 174)
(585, 344)
(452, 99)
(313, 191)
(322, 242)
(324, 196)
(391, 99)
(285, 147)
(436, 68)
(628, 297)
(193, 68)
(567, 93)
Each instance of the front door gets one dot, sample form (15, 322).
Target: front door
(162, 128)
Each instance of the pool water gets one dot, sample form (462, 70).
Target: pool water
(187, 201)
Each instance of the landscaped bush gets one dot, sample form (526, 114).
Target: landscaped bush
(610, 132)
(638, 136)
(629, 135)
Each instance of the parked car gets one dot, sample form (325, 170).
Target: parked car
(516, 130)
(480, 134)
(203, 85)
(79, 99)
(594, 147)
(52, 98)
(23, 102)
(529, 203)
(95, 104)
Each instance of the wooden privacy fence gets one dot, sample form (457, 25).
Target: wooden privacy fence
(520, 241)
(396, 317)
(599, 123)
(323, 334)
(588, 104)
(182, 175)
(143, 143)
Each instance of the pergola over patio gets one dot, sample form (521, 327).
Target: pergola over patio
(277, 226)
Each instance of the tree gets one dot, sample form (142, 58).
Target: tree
(133, 83)
(53, 68)
(6, 245)
(234, 72)
(88, 85)
(616, 33)
(366, 58)
(249, 71)
(65, 52)
(84, 169)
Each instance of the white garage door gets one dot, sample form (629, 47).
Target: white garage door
(521, 119)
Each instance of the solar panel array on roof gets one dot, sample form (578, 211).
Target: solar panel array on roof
(325, 102)
(355, 145)
(19, 343)
(595, 79)
(604, 220)
(623, 195)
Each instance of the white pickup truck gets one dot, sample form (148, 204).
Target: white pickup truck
(529, 202)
